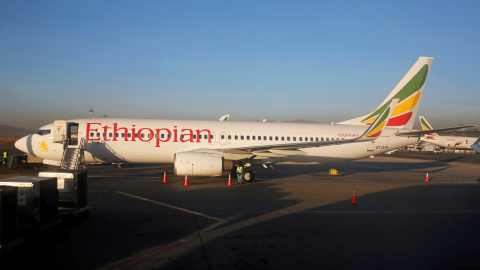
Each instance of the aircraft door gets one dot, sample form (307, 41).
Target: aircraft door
(72, 134)
(223, 138)
(371, 146)
(59, 131)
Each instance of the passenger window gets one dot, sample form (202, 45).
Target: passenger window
(91, 134)
(241, 137)
(276, 138)
(222, 137)
(229, 137)
(248, 137)
(236, 137)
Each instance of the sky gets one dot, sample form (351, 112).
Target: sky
(323, 61)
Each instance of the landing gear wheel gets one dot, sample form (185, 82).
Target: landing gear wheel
(248, 176)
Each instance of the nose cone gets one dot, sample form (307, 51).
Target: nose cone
(22, 144)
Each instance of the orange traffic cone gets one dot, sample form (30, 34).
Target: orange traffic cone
(165, 175)
(229, 180)
(354, 198)
(426, 178)
(186, 180)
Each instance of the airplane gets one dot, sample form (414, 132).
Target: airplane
(207, 148)
(457, 142)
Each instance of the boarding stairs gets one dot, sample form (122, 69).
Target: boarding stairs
(73, 157)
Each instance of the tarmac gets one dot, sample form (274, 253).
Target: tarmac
(291, 217)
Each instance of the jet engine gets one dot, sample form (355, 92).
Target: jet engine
(200, 164)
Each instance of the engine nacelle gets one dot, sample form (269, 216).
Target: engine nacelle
(199, 164)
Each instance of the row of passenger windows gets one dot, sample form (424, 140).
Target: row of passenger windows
(278, 138)
(222, 137)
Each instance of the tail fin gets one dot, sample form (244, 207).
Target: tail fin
(409, 92)
(426, 126)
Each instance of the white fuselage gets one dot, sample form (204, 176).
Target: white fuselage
(451, 141)
(146, 141)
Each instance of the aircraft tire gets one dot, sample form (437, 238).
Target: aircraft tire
(248, 176)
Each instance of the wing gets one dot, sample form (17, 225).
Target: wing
(281, 150)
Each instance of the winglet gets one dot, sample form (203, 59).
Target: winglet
(224, 117)
(426, 126)
(376, 128)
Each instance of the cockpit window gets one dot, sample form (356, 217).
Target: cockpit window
(43, 132)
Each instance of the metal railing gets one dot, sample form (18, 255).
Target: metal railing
(77, 159)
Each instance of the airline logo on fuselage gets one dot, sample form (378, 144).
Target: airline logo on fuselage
(184, 135)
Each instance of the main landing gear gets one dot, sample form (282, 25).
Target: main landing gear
(248, 175)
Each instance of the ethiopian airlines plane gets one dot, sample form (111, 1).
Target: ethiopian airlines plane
(457, 142)
(206, 148)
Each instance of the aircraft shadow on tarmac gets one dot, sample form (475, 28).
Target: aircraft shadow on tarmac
(273, 227)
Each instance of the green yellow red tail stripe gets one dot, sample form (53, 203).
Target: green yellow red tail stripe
(379, 124)
(408, 96)
(426, 126)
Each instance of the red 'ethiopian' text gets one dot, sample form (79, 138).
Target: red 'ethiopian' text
(159, 134)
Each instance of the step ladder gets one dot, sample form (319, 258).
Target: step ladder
(72, 157)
